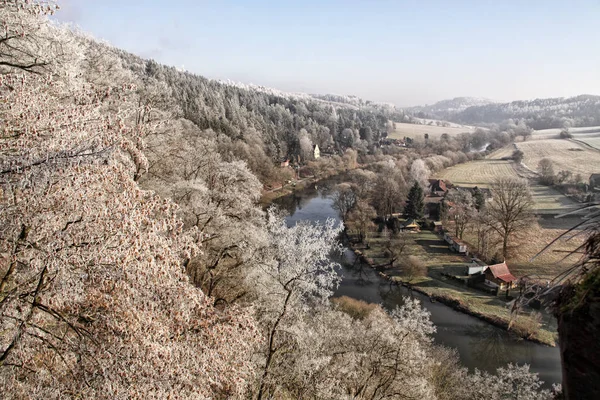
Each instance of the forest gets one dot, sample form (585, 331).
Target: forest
(538, 114)
(136, 262)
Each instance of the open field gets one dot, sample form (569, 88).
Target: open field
(565, 155)
(416, 131)
(482, 173)
(551, 201)
(576, 132)
(593, 141)
(479, 173)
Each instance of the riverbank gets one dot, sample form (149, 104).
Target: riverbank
(268, 196)
(491, 309)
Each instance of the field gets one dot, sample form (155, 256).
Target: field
(565, 155)
(593, 141)
(416, 131)
(478, 173)
(481, 173)
(576, 132)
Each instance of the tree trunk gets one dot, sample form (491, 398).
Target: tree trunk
(579, 330)
(505, 245)
(271, 349)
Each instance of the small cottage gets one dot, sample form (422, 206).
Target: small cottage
(410, 225)
(459, 246)
(499, 276)
(455, 244)
(438, 187)
(475, 267)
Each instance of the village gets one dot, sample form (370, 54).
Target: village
(430, 258)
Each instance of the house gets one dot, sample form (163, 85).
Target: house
(499, 276)
(316, 151)
(455, 244)
(594, 181)
(448, 237)
(438, 187)
(475, 267)
(410, 225)
(459, 246)
(438, 227)
(285, 163)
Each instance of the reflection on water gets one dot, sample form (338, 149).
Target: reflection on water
(479, 344)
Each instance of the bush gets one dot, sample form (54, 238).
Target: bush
(412, 267)
(518, 155)
(565, 134)
(357, 309)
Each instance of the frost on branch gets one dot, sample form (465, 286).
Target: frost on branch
(94, 299)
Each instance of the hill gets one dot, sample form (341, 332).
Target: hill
(445, 109)
(559, 112)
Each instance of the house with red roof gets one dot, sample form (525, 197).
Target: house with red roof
(499, 276)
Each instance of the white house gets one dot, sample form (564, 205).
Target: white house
(317, 152)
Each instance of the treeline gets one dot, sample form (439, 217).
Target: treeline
(583, 110)
(276, 122)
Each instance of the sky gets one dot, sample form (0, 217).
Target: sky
(397, 51)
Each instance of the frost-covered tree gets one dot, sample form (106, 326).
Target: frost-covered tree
(510, 382)
(217, 197)
(94, 300)
(300, 275)
(419, 172)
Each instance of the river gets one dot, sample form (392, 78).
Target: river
(479, 344)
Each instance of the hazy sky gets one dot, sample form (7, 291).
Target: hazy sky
(403, 52)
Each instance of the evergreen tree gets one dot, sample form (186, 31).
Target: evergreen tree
(415, 202)
(478, 198)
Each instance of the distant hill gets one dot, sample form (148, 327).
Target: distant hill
(583, 110)
(447, 108)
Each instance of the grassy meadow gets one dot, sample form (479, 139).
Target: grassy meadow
(418, 131)
(565, 155)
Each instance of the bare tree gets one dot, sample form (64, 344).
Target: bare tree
(360, 219)
(395, 244)
(460, 210)
(344, 199)
(510, 210)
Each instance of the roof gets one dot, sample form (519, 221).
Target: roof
(438, 185)
(594, 176)
(410, 224)
(500, 271)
